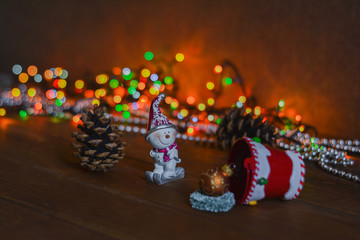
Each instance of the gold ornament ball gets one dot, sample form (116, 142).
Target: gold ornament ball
(214, 182)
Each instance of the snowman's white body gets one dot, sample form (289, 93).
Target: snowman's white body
(161, 139)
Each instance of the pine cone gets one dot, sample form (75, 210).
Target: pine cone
(236, 124)
(98, 145)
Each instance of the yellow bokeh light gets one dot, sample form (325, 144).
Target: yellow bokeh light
(102, 78)
(60, 95)
(96, 102)
(210, 85)
(242, 99)
(32, 92)
(145, 72)
(15, 92)
(32, 70)
(184, 112)
(211, 101)
(100, 93)
(174, 104)
(179, 57)
(79, 84)
(125, 107)
(201, 107)
(257, 110)
(218, 69)
(23, 77)
(2, 112)
(248, 110)
(58, 71)
(62, 83)
(190, 130)
(117, 99)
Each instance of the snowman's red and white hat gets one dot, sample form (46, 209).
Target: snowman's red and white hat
(262, 172)
(157, 120)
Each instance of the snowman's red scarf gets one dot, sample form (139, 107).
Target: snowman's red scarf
(165, 151)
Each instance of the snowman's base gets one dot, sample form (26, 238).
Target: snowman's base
(160, 179)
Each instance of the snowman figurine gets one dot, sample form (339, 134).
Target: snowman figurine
(162, 135)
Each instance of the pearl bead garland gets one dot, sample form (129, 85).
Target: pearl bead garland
(323, 152)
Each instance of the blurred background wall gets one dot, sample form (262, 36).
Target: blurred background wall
(305, 52)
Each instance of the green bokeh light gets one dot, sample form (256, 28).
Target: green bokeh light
(58, 102)
(128, 77)
(134, 83)
(114, 83)
(228, 81)
(149, 56)
(23, 113)
(126, 114)
(118, 107)
(168, 80)
(131, 90)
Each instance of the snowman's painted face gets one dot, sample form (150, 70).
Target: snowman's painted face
(162, 138)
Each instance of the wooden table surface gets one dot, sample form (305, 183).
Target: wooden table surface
(45, 194)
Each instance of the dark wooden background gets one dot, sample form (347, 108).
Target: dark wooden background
(44, 194)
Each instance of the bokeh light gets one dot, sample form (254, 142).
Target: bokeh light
(96, 102)
(62, 83)
(154, 77)
(16, 69)
(38, 106)
(116, 70)
(174, 104)
(298, 117)
(184, 112)
(23, 77)
(211, 117)
(15, 92)
(51, 94)
(117, 99)
(2, 112)
(102, 78)
(210, 85)
(118, 107)
(145, 72)
(125, 107)
(218, 69)
(64, 74)
(79, 84)
(242, 99)
(228, 81)
(201, 107)
(22, 113)
(58, 71)
(141, 86)
(168, 80)
(281, 103)
(32, 92)
(60, 95)
(190, 100)
(114, 83)
(126, 114)
(210, 101)
(48, 74)
(248, 110)
(32, 70)
(149, 56)
(179, 57)
(257, 110)
(38, 78)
